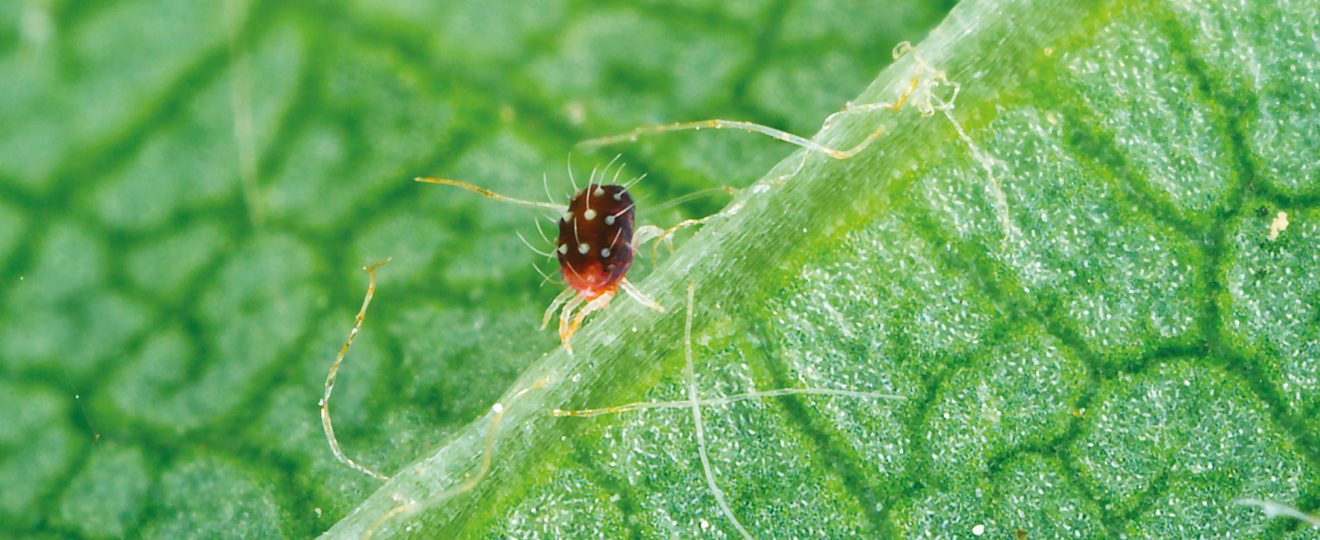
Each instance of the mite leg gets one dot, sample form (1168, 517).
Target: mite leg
(649, 233)
(652, 233)
(593, 306)
(1274, 509)
(727, 190)
(565, 317)
(691, 376)
(555, 304)
(334, 372)
(740, 125)
(725, 400)
(752, 127)
(556, 208)
(640, 296)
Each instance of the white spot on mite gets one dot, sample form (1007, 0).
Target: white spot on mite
(618, 196)
(563, 248)
(605, 252)
(589, 214)
(600, 191)
(568, 216)
(609, 220)
(583, 248)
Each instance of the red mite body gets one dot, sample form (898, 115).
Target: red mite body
(595, 240)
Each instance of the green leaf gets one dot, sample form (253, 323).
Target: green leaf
(1080, 300)
(1047, 273)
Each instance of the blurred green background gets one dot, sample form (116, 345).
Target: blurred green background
(189, 189)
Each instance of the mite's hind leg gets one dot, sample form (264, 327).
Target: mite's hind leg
(334, 372)
(554, 306)
(566, 333)
(565, 318)
(641, 297)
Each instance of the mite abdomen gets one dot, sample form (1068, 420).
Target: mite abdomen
(595, 239)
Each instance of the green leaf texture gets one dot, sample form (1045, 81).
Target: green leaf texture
(1071, 277)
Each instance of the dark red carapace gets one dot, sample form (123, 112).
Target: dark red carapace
(595, 249)
(595, 240)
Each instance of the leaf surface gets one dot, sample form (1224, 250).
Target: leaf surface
(1070, 277)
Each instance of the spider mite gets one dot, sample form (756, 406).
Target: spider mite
(594, 248)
